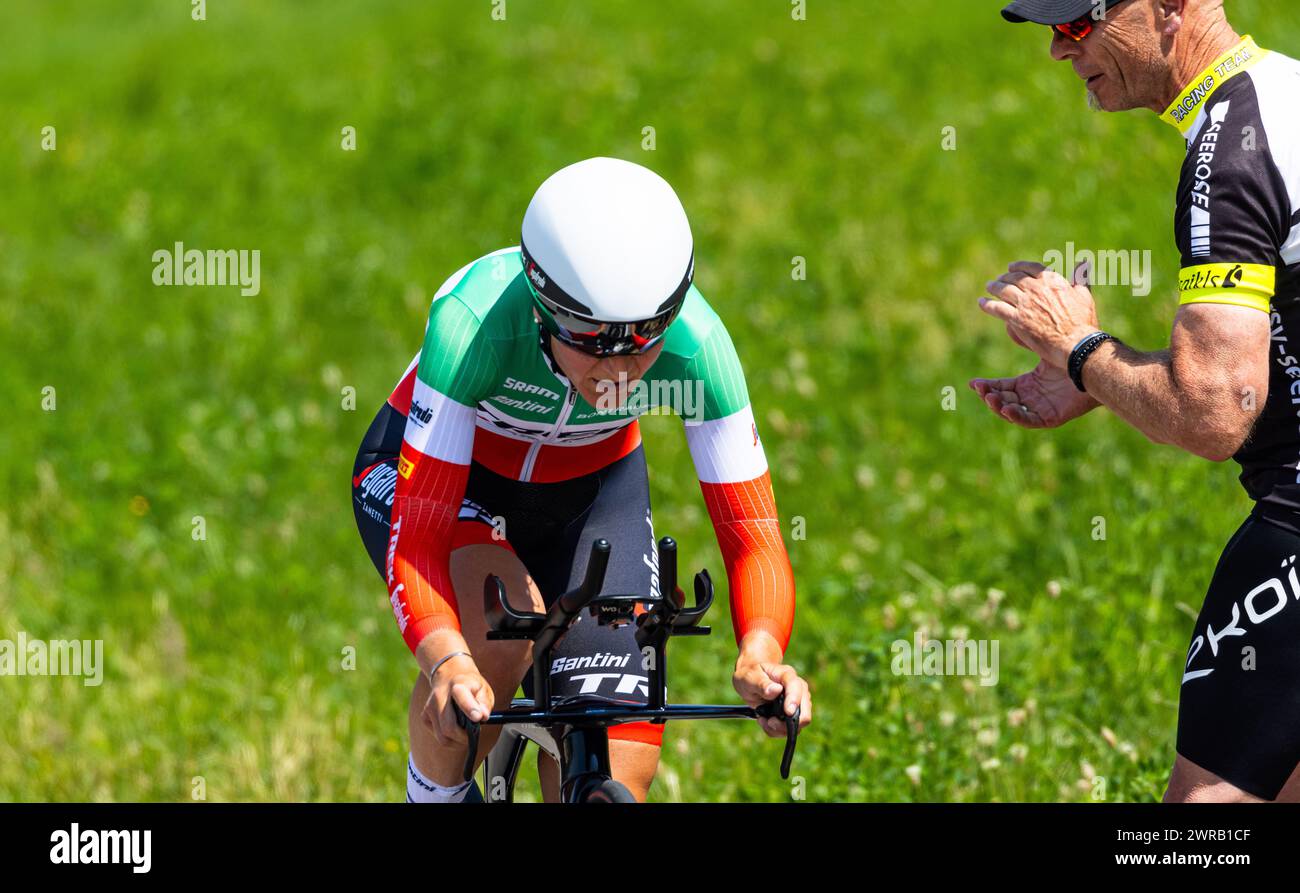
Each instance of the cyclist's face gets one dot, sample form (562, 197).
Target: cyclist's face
(1123, 61)
(598, 378)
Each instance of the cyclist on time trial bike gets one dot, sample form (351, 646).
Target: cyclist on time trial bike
(511, 443)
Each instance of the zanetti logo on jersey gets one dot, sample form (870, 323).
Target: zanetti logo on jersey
(1209, 144)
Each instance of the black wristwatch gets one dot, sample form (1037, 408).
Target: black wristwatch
(1084, 349)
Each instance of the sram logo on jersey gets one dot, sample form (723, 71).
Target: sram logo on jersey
(1200, 216)
(524, 387)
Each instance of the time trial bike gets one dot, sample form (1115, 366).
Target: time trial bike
(574, 730)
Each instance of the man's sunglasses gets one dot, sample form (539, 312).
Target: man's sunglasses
(1086, 23)
(1078, 29)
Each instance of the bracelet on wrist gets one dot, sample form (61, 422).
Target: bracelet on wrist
(1084, 349)
(446, 658)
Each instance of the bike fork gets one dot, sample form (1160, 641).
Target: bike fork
(501, 766)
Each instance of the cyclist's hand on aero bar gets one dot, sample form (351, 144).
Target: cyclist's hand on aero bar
(458, 681)
(761, 677)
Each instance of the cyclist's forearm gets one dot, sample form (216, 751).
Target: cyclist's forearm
(1147, 391)
(759, 577)
(419, 553)
(1136, 386)
(762, 646)
(420, 587)
(437, 645)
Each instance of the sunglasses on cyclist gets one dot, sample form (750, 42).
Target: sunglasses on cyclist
(1078, 29)
(591, 336)
(609, 339)
(1085, 24)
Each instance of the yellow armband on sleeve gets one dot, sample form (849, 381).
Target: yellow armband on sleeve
(1244, 285)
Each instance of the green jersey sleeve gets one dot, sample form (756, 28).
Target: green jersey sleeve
(458, 359)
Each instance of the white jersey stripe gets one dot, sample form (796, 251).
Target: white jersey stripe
(1277, 84)
(440, 427)
(727, 450)
(1291, 248)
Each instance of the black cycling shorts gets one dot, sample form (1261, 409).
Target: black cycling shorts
(550, 527)
(1239, 710)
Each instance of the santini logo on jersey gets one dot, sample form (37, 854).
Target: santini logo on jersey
(523, 405)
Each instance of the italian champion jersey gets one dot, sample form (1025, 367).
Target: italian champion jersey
(484, 388)
(1237, 225)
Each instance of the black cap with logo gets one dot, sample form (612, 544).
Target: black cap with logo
(1055, 12)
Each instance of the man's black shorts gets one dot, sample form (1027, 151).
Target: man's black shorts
(1239, 710)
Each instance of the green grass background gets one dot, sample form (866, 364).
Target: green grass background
(820, 139)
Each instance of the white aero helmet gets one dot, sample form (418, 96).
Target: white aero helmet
(608, 255)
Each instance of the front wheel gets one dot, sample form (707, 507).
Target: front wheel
(609, 791)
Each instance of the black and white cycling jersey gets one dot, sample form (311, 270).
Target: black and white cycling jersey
(1238, 229)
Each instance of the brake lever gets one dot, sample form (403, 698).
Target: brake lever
(776, 709)
(471, 730)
